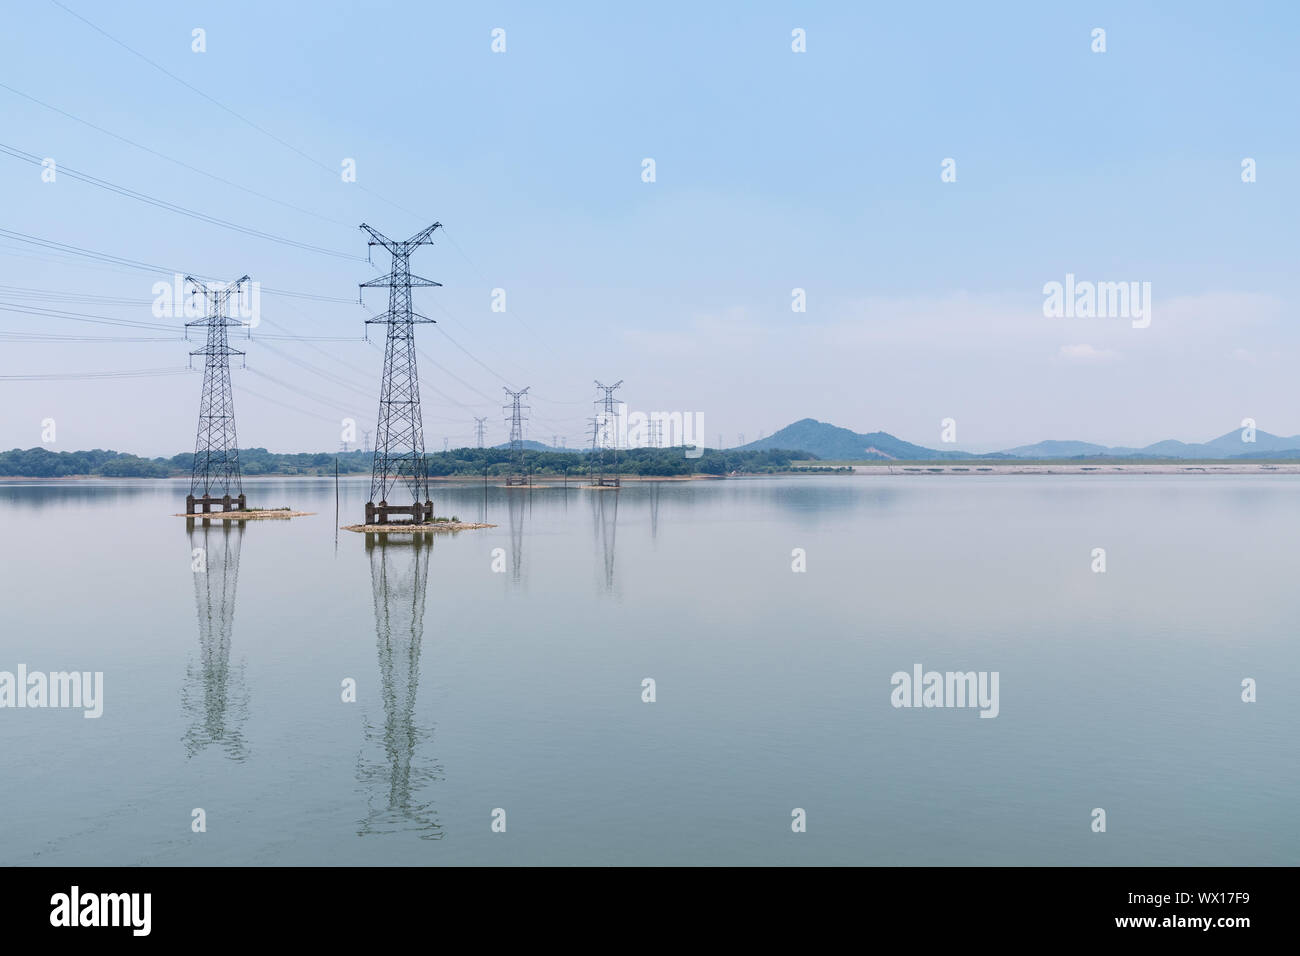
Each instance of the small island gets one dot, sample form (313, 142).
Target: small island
(424, 527)
(248, 514)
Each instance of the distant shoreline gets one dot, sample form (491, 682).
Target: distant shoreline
(918, 469)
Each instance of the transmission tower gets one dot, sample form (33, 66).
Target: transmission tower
(478, 429)
(608, 438)
(399, 439)
(216, 451)
(516, 410)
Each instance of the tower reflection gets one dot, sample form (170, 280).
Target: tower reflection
(515, 509)
(392, 768)
(605, 515)
(215, 694)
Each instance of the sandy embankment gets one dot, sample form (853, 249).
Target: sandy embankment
(408, 528)
(1078, 468)
(248, 515)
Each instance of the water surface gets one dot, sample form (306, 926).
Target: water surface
(521, 689)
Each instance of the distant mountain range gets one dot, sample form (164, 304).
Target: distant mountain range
(830, 441)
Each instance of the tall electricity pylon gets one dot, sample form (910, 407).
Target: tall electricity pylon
(215, 477)
(608, 433)
(478, 429)
(516, 420)
(399, 438)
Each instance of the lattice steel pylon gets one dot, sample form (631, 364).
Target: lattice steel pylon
(608, 416)
(399, 439)
(516, 410)
(478, 429)
(216, 450)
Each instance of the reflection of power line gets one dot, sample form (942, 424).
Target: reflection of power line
(215, 695)
(390, 767)
(515, 509)
(607, 528)
(654, 510)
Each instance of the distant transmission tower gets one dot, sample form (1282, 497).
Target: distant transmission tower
(399, 439)
(516, 411)
(478, 430)
(215, 474)
(608, 438)
(366, 446)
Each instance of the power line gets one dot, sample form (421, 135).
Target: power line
(70, 249)
(27, 336)
(171, 206)
(222, 106)
(88, 376)
(170, 159)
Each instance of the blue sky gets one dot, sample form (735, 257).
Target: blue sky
(774, 170)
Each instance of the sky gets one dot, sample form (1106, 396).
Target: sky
(775, 170)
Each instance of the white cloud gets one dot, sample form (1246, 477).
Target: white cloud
(1086, 353)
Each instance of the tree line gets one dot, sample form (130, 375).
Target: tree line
(456, 463)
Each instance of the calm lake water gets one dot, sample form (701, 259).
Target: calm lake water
(522, 689)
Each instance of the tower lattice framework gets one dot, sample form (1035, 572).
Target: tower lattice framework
(215, 477)
(608, 434)
(399, 436)
(516, 408)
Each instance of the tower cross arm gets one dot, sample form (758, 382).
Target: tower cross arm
(384, 317)
(423, 237)
(417, 282)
